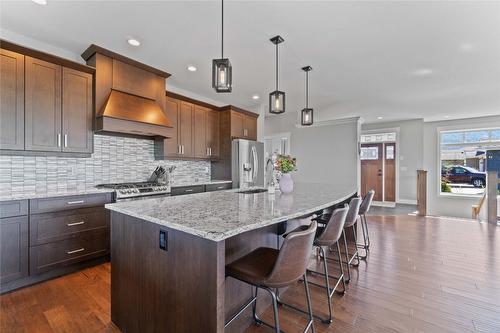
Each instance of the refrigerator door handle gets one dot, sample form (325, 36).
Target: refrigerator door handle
(255, 164)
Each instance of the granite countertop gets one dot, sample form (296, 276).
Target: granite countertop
(209, 182)
(223, 214)
(25, 196)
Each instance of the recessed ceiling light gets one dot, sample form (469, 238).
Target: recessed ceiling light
(447, 117)
(422, 72)
(255, 97)
(133, 42)
(380, 118)
(191, 68)
(40, 2)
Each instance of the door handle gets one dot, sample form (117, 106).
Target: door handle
(59, 139)
(65, 140)
(255, 164)
(210, 151)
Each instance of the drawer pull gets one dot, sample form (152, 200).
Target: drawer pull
(75, 223)
(220, 187)
(189, 190)
(76, 202)
(76, 251)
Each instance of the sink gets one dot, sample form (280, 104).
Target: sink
(254, 191)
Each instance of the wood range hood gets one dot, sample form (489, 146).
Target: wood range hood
(129, 95)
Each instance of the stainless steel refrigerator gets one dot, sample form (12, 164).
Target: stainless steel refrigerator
(247, 163)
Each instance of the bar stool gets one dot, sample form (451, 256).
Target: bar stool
(328, 236)
(363, 210)
(268, 268)
(350, 222)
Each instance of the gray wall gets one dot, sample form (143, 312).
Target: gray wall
(325, 154)
(115, 160)
(411, 149)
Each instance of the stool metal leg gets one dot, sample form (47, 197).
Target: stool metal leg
(367, 234)
(347, 257)
(327, 283)
(309, 307)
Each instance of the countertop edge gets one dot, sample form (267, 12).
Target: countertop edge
(217, 237)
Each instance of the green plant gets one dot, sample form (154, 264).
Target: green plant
(285, 163)
(445, 187)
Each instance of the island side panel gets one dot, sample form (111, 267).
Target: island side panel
(152, 290)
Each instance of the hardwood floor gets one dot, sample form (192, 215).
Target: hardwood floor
(422, 275)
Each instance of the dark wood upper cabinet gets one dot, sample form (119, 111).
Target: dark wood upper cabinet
(185, 129)
(199, 133)
(11, 100)
(237, 124)
(77, 111)
(171, 145)
(42, 105)
(250, 127)
(212, 133)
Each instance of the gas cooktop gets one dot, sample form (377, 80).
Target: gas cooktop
(139, 189)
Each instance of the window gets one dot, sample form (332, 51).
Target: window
(465, 157)
(369, 153)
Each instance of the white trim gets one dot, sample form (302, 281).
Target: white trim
(384, 204)
(331, 122)
(407, 202)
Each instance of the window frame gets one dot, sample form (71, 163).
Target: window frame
(458, 128)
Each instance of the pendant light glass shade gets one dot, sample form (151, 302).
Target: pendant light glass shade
(222, 72)
(277, 97)
(222, 75)
(306, 118)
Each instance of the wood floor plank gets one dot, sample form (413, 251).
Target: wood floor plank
(422, 275)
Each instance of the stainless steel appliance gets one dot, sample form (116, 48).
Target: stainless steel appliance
(129, 191)
(247, 163)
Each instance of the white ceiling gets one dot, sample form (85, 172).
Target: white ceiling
(364, 54)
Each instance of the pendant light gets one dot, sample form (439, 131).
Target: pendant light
(277, 98)
(222, 72)
(306, 118)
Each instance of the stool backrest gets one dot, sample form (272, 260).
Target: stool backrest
(352, 213)
(367, 202)
(334, 227)
(294, 256)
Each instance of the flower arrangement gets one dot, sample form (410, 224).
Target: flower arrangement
(285, 164)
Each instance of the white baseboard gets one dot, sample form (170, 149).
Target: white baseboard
(407, 201)
(384, 204)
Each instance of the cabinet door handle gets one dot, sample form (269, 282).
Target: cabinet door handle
(75, 202)
(59, 139)
(210, 151)
(220, 187)
(207, 152)
(182, 149)
(75, 223)
(189, 190)
(76, 251)
(65, 140)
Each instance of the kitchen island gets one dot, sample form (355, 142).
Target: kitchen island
(168, 254)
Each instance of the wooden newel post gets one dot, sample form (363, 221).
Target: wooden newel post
(492, 190)
(421, 192)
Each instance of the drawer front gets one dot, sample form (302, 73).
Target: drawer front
(218, 187)
(13, 208)
(55, 204)
(187, 189)
(13, 248)
(51, 227)
(49, 256)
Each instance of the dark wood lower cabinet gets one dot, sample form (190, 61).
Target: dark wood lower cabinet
(59, 236)
(13, 248)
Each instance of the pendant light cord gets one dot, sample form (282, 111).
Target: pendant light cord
(307, 90)
(277, 62)
(222, 44)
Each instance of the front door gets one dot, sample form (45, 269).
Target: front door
(371, 169)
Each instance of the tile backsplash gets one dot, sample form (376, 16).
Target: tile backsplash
(115, 160)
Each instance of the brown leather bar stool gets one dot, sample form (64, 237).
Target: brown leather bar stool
(350, 222)
(363, 210)
(268, 268)
(326, 237)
